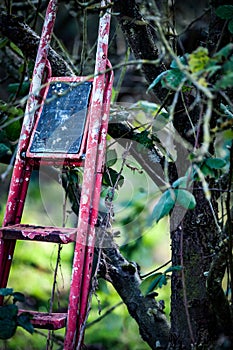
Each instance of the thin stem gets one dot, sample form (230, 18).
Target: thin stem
(111, 309)
(229, 217)
(184, 289)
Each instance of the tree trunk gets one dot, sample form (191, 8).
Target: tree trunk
(193, 243)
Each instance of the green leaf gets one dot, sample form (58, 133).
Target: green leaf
(225, 82)
(146, 284)
(160, 122)
(13, 130)
(24, 88)
(185, 199)
(23, 320)
(6, 291)
(182, 59)
(225, 11)
(110, 177)
(8, 320)
(7, 328)
(164, 205)
(181, 182)
(162, 281)
(146, 106)
(173, 78)
(207, 171)
(157, 80)
(16, 49)
(215, 163)
(111, 157)
(4, 150)
(173, 268)
(18, 297)
(230, 26)
(198, 60)
(3, 43)
(224, 52)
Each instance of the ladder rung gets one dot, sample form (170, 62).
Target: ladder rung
(47, 320)
(39, 233)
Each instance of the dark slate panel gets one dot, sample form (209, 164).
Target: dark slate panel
(62, 121)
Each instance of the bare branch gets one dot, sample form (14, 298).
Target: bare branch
(27, 40)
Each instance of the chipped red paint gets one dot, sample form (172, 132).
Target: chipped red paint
(46, 320)
(39, 233)
(91, 187)
(22, 169)
(89, 254)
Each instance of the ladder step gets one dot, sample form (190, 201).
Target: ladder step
(47, 320)
(39, 233)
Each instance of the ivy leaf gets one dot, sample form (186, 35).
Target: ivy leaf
(110, 177)
(173, 268)
(164, 205)
(6, 291)
(224, 52)
(182, 59)
(215, 163)
(3, 43)
(230, 26)
(225, 11)
(23, 320)
(181, 182)
(16, 49)
(160, 122)
(198, 60)
(150, 283)
(157, 80)
(24, 88)
(8, 321)
(146, 106)
(185, 198)
(225, 82)
(18, 297)
(173, 78)
(13, 130)
(111, 157)
(4, 150)
(162, 281)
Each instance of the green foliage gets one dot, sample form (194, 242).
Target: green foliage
(111, 157)
(111, 178)
(157, 280)
(4, 150)
(177, 194)
(198, 60)
(185, 198)
(202, 67)
(170, 79)
(215, 163)
(164, 205)
(9, 318)
(226, 12)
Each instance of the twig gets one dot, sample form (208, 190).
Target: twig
(104, 315)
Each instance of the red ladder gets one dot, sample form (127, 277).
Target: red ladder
(32, 152)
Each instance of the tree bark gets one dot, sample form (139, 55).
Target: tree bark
(153, 325)
(27, 40)
(193, 242)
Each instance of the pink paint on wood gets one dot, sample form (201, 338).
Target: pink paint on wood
(22, 169)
